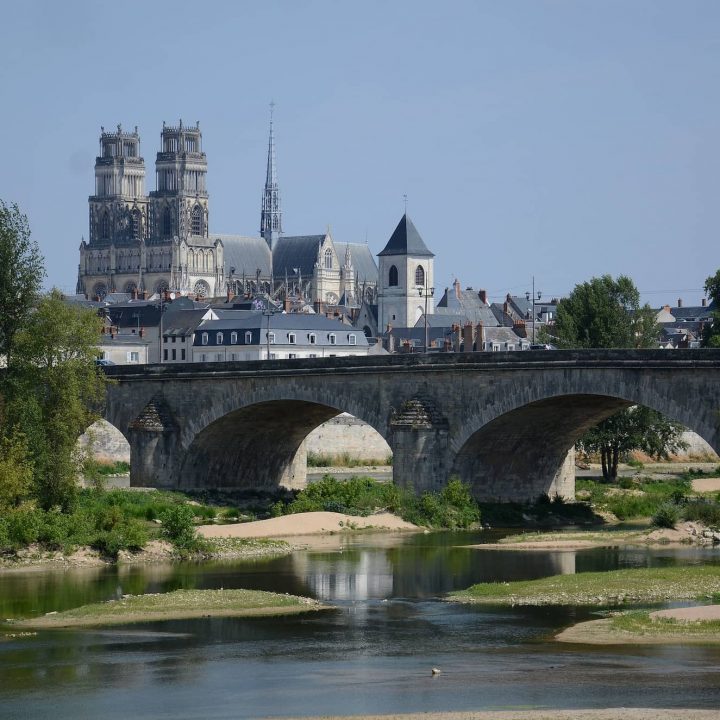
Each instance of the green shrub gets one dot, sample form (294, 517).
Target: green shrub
(667, 515)
(127, 535)
(178, 527)
(704, 511)
(23, 526)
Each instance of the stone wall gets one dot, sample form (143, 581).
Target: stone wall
(346, 435)
(108, 443)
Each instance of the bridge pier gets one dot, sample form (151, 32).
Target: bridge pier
(419, 441)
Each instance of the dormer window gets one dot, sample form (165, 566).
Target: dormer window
(291, 338)
(312, 338)
(352, 339)
(271, 338)
(248, 338)
(331, 338)
(219, 338)
(204, 338)
(233, 338)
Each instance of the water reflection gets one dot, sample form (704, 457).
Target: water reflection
(372, 653)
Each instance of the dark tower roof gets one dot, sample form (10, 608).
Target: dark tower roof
(406, 240)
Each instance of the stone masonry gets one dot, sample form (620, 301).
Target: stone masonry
(502, 422)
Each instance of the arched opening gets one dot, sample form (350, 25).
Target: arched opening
(109, 448)
(167, 224)
(393, 276)
(345, 440)
(367, 331)
(257, 448)
(196, 221)
(328, 259)
(99, 290)
(518, 455)
(420, 276)
(105, 226)
(522, 453)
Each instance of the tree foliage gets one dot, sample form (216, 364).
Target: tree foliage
(21, 275)
(635, 428)
(711, 332)
(604, 313)
(55, 390)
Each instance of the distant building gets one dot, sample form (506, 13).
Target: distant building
(146, 244)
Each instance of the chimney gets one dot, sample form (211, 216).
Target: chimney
(679, 302)
(467, 337)
(135, 294)
(519, 328)
(142, 331)
(287, 304)
(456, 286)
(482, 294)
(456, 335)
(230, 294)
(480, 337)
(505, 308)
(704, 302)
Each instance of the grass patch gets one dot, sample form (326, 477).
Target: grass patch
(640, 623)
(616, 587)
(344, 460)
(601, 537)
(227, 547)
(174, 606)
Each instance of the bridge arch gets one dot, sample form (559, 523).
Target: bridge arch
(516, 445)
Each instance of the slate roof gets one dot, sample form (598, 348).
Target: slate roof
(690, 313)
(182, 323)
(468, 306)
(246, 255)
(406, 240)
(362, 260)
(136, 314)
(296, 252)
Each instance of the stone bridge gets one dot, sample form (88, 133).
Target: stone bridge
(503, 422)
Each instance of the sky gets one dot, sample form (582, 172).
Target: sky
(554, 139)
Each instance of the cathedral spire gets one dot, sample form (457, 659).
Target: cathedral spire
(271, 216)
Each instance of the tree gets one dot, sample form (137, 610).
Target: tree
(54, 391)
(635, 428)
(604, 313)
(21, 275)
(711, 332)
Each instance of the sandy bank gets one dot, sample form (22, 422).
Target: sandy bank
(602, 632)
(606, 714)
(311, 523)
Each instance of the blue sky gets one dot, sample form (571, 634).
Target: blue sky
(561, 139)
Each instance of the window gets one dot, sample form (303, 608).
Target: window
(393, 276)
(233, 338)
(420, 275)
(312, 355)
(271, 338)
(165, 355)
(173, 338)
(204, 338)
(196, 221)
(292, 356)
(219, 339)
(495, 347)
(135, 224)
(174, 354)
(352, 339)
(291, 338)
(272, 356)
(331, 338)
(218, 357)
(203, 357)
(233, 356)
(167, 222)
(312, 337)
(134, 357)
(165, 338)
(510, 346)
(248, 338)
(182, 354)
(328, 259)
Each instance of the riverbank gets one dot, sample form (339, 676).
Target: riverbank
(685, 533)
(699, 625)
(308, 523)
(616, 587)
(35, 557)
(545, 714)
(177, 605)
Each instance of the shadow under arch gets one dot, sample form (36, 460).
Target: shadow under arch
(519, 455)
(257, 447)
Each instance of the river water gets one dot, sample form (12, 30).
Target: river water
(372, 653)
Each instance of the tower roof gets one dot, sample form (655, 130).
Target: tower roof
(406, 240)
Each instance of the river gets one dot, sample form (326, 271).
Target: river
(372, 653)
